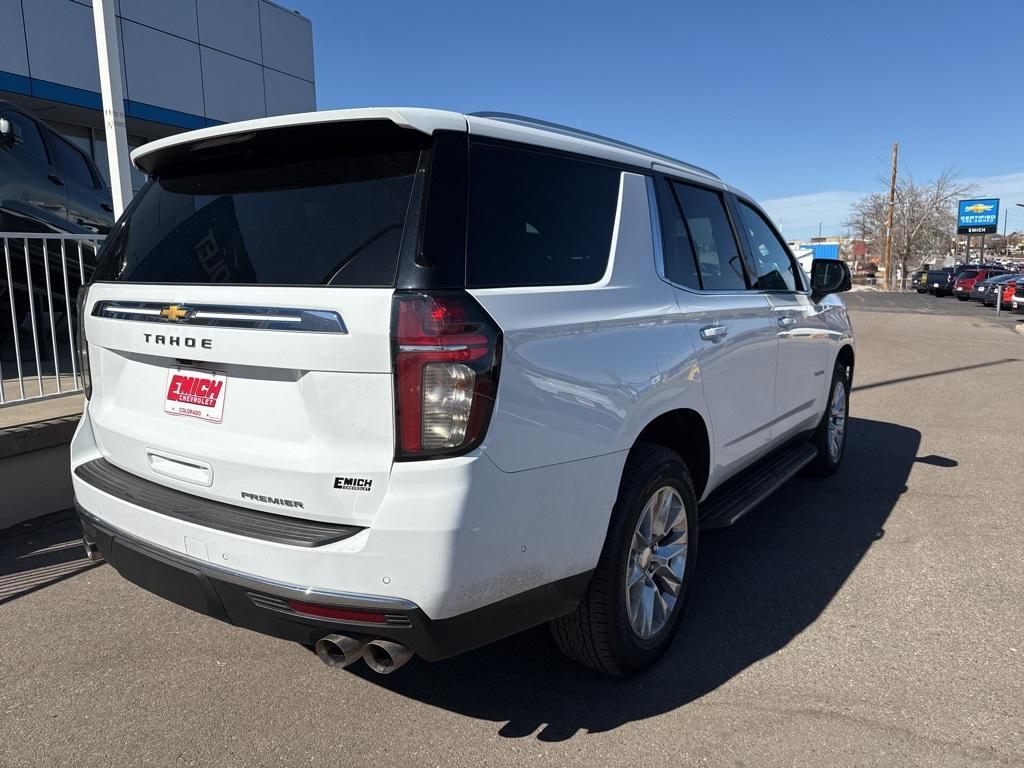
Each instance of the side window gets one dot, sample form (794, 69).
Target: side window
(537, 219)
(719, 263)
(680, 263)
(31, 140)
(73, 163)
(776, 268)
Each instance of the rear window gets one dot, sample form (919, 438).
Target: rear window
(537, 219)
(969, 273)
(313, 205)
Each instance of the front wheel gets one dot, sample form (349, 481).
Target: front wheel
(637, 595)
(830, 436)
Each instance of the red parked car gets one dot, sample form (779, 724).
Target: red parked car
(1009, 288)
(965, 280)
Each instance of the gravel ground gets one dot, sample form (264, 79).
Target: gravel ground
(875, 618)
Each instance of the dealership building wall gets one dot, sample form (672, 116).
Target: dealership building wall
(185, 63)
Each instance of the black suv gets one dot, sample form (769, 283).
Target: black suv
(940, 281)
(47, 184)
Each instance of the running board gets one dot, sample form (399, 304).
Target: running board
(738, 496)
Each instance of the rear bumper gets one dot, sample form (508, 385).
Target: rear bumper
(262, 605)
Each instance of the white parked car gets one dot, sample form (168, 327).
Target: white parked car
(401, 381)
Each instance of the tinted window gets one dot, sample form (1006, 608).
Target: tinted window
(968, 274)
(537, 219)
(73, 163)
(31, 140)
(718, 259)
(776, 269)
(680, 263)
(325, 205)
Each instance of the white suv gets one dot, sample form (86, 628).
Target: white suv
(401, 381)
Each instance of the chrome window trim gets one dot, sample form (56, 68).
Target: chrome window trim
(225, 316)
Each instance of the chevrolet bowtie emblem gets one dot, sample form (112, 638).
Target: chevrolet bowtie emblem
(173, 312)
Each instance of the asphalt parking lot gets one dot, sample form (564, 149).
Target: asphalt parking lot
(875, 618)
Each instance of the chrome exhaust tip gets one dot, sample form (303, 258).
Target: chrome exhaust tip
(92, 552)
(339, 650)
(385, 656)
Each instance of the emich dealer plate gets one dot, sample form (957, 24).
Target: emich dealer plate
(195, 393)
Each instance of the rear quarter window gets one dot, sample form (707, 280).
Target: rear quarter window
(537, 219)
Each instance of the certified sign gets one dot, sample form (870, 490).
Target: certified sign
(977, 217)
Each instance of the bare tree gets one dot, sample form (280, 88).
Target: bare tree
(923, 222)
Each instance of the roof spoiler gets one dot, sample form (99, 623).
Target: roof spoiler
(149, 157)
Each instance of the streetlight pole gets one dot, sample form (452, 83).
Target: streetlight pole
(109, 60)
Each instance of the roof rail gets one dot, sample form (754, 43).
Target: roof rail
(566, 130)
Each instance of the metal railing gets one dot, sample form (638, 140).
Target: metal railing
(39, 285)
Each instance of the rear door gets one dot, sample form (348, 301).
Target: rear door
(89, 210)
(239, 325)
(735, 332)
(802, 330)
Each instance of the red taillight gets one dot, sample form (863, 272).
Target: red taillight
(340, 614)
(445, 350)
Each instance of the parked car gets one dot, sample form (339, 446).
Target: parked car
(965, 281)
(940, 281)
(47, 185)
(1008, 291)
(408, 381)
(1017, 300)
(982, 287)
(996, 288)
(919, 281)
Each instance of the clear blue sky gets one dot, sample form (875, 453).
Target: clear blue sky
(784, 99)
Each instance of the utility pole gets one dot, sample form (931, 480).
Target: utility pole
(109, 59)
(888, 224)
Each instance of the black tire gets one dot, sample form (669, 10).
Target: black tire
(598, 633)
(963, 298)
(826, 463)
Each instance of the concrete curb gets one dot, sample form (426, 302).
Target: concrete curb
(34, 469)
(37, 436)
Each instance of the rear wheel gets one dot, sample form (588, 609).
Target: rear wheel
(632, 608)
(830, 436)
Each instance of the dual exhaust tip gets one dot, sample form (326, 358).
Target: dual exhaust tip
(382, 656)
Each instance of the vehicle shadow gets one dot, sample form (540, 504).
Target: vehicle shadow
(758, 585)
(40, 553)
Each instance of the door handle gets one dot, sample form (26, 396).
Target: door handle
(55, 179)
(786, 321)
(107, 207)
(714, 332)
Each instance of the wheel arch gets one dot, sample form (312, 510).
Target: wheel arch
(845, 357)
(684, 431)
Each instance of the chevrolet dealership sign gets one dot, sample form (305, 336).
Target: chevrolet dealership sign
(977, 217)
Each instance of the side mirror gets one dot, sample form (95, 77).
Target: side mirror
(10, 133)
(829, 276)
